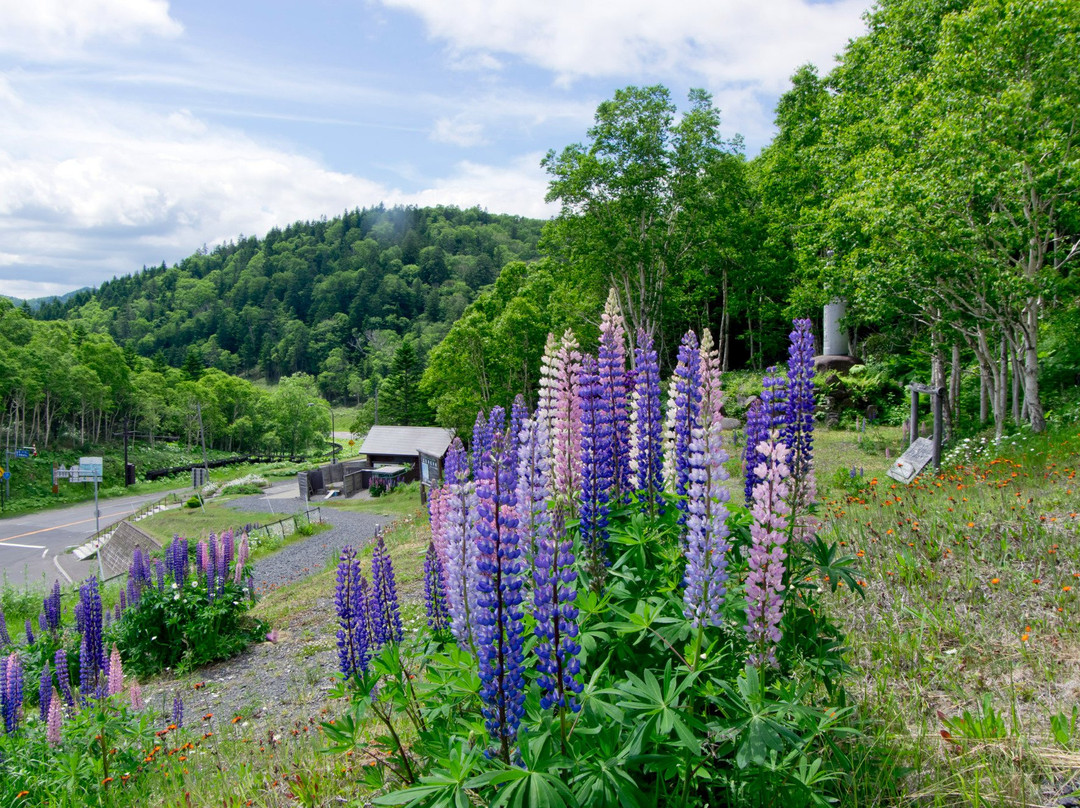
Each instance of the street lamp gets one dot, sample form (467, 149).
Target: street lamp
(333, 446)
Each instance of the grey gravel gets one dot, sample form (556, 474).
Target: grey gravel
(302, 558)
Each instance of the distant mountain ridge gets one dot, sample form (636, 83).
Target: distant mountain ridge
(36, 303)
(332, 298)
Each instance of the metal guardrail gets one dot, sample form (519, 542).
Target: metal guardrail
(277, 529)
(134, 516)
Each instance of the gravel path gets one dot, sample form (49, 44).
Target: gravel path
(302, 558)
(280, 686)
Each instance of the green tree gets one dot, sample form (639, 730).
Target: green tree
(296, 426)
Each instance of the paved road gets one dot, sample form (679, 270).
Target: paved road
(33, 545)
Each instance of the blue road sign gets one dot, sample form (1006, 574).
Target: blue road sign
(5, 476)
(22, 453)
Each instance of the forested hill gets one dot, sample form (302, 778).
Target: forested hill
(327, 298)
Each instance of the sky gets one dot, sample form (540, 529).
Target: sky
(134, 132)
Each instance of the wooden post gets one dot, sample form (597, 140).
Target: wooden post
(913, 429)
(935, 404)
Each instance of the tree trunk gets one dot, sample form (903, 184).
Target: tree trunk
(954, 386)
(1030, 331)
(725, 322)
(937, 379)
(1015, 358)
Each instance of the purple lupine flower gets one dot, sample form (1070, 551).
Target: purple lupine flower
(706, 523)
(556, 620)
(108, 617)
(43, 623)
(461, 573)
(596, 468)
(242, 555)
(122, 605)
(349, 601)
(481, 440)
(52, 609)
(228, 547)
(178, 711)
(11, 690)
(63, 676)
(612, 378)
(438, 502)
(176, 558)
(5, 638)
(92, 650)
(45, 691)
(211, 566)
(29, 632)
(566, 423)
(134, 592)
(116, 672)
(224, 556)
(647, 429)
(770, 415)
(499, 631)
(799, 428)
(768, 534)
(54, 720)
(518, 413)
(435, 591)
(686, 406)
(117, 612)
(387, 613)
(533, 485)
(159, 570)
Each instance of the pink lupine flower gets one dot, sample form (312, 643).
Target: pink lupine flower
(768, 534)
(116, 672)
(54, 720)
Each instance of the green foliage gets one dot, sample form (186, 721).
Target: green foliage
(182, 628)
(670, 714)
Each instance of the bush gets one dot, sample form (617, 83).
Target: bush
(182, 628)
(194, 502)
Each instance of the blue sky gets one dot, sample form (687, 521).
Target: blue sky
(135, 131)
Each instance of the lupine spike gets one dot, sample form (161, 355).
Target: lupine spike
(461, 572)
(116, 672)
(45, 691)
(533, 485)
(768, 534)
(352, 612)
(596, 468)
(612, 377)
(481, 440)
(178, 711)
(11, 685)
(499, 628)
(52, 610)
(435, 591)
(54, 721)
(707, 497)
(63, 676)
(29, 632)
(566, 423)
(686, 405)
(388, 627)
(556, 620)
(242, 554)
(136, 695)
(547, 398)
(799, 428)
(5, 638)
(764, 417)
(646, 428)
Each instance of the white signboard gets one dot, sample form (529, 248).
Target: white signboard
(90, 469)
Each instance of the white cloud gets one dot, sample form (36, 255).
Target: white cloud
(517, 188)
(137, 187)
(51, 29)
(722, 41)
(458, 130)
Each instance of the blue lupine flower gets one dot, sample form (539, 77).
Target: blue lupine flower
(612, 377)
(52, 609)
(647, 426)
(765, 416)
(498, 622)
(435, 591)
(387, 613)
(352, 613)
(556, 620)
(597, 465)
(687, 405)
